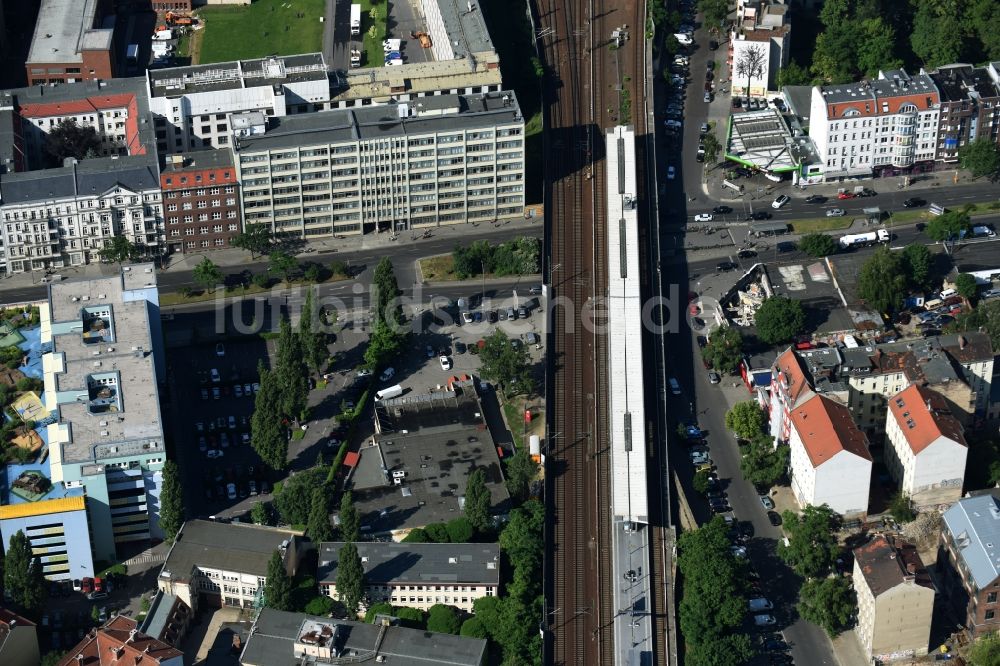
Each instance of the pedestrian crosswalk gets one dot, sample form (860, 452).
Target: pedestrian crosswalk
(146, 557)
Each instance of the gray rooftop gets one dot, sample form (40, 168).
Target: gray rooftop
(236, 547)
(65, 28)
(763, 139)
(275, 641)
(417, 563)
(100, 329)
(890, 83)
(426, 115)
(159, 615)
(91, 177)
(201, 159)
(236, 75)
(974, 523)
(960, 82)
(463, 21)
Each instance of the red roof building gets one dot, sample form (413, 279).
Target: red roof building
(118, 643)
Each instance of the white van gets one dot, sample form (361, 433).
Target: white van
(675, 387)
(390, 392)
(948, 293)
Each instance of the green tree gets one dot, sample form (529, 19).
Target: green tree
(937, 35)
(901, 508)
(383, 344)
(278, 586)
(283, 264)
(986, 317)
(268, 437)
(882, 282)
(812, 542)
(410, 617)
(876, 45)
(443, 619)
(763, 464)
(700, 481)
(473, 628)
(715, 12)
(290, 373)
(23, 578)
(437, 532)
(320, 606)
(523, 536)
(318, 527)
(350, 578)
(948, 226)
(117, 250)
(478, 502)
(505, 364)
(521, 470)
(380, 608)
(712, 148)
(207, 274)
(416, 535)
(966, 286)
(459, 530)
(793, 74)
(980, 157)
(256, 240)
(724, 349)
(350, 520)
(746, 419)
(315, 352)
(779, 319)
(828, 603)
(712, 603)
(917, 263)
(294, 501)
(984, 651)
(729, 650)
(818, 245)
(387, 293)
(171, 501)
(260, 513)
(68, 139)
(53, 658)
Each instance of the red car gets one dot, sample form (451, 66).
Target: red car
(99, 585)
(845, 195)
(87, 585)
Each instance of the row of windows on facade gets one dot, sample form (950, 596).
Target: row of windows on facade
(184, 194)
(202, 217)
(188, 205)
(86, 203)
(191, 231)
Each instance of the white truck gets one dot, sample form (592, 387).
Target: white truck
(355, 58)
(864, 240)
(355, 19)
(390, 392)
(390, 45)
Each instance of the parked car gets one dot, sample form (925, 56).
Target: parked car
(815, 199)
(914, 202)
(212, 454)
(445, 362)
(746, 254)
(764, 620)
(703, 217)
(671, 173)
(220, 349)
(780, 201)
(774, 518)
(387, 374)
(713, 378)
(94, 596)
(766, 502)
(835, 212)
(722, 210)
(845, 195)
(725, 266)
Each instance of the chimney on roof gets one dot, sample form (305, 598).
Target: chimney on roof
(131, 635)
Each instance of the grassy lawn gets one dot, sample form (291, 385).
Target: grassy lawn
(200, 296)
(266, 27)
(821, 224)
(438, 268)
(513, 411)
(373, 33)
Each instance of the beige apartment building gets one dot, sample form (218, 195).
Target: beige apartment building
(895, 599)
(418, 575)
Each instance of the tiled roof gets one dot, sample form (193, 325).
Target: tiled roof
(826, 428)
(886, 563)
(923, 416)
(76, 106)
(791, 370)
(114, 644)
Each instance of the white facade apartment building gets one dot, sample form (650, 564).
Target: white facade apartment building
(888, 123)
(829, 461)
(446, 159)
(928, 451)
(763, 27)
(63, 217)
(418, 575)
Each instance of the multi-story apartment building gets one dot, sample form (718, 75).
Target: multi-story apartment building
(829, 461)
(760, 35)
(224, 564)
(116, 109)
(280, 637)
(970, 107)
(119, 641)
(58, 532)
(927, 448)
(442, 160)
(102, 358)
(888, 124)
(201, 200)
(791, 387)
(418, 574)
(65, 216)
(895, 600)
(969, 561)
(71, 42)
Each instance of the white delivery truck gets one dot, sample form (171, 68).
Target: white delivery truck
(355, 19)
(390, 392)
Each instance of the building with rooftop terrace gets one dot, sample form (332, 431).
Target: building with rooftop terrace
(449, 159)
(970, 107)
(886, 125)
(58, 532)
(763, 27)
(73, 41)
(418, 575)
(895, 599)
(102, 362)
(279, 637)
(927, 450)
(968, 562)
(220, 564)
